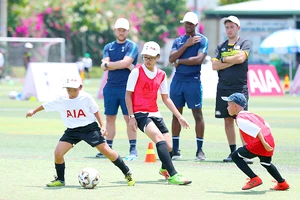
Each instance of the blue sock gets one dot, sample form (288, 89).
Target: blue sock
(199, 144)
(110, 143)
(175, 143)
(132, 144)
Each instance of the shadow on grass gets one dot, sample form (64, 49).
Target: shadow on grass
(249, 192)
(120, 184)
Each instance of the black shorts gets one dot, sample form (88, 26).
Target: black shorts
(143, 120)
(221, 105)
(243, 152)
(91, 134)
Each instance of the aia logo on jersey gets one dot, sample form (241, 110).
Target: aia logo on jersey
(75, 114)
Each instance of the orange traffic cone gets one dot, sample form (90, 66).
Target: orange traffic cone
(150, 155)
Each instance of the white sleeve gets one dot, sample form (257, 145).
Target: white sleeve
(53, 105)
(93, 106)
(163, 88)
(132, 79)
(248, 127)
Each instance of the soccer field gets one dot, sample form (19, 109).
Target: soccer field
(27, 146)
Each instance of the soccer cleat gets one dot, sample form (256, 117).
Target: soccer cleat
(281, 186)
(129, 179)
(100, 155)
(176, 155)
(228, 159)
(254, 182)
(56, 183)
(200, 156)
(164, 173)
(177, 179)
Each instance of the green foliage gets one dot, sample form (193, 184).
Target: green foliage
(225, 2)
(161, 19)
(14, 10)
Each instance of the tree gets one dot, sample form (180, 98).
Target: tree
(225, 2)
(15, 8)
(161, 19)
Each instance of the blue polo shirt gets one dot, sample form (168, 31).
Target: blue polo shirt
(115, 51)
(189, 72)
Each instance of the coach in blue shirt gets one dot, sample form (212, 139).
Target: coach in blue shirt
(119, 58)
(188, 53)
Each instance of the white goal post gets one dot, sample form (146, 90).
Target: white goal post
(3, 40)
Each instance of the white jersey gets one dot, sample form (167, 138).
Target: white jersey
(76, 112)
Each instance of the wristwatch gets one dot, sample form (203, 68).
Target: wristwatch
(131, 116)
(105, 65)
(176, 61)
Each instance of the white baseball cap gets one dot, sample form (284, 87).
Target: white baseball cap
(122, 23)
(28, 45)
(233, 19)
(73, 82)
(190, 17)
(151, 48)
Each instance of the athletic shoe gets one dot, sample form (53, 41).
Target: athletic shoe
(281, 186)
(228, 159)
(164, 173)
(248, 161)
(133, 155)
(56, 183)
(254, 182)
(177, 179)
(176, 155)
(129, 179)
(100, 155)
(200, 156)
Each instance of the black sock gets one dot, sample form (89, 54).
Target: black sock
(121, 165)
(60, 171)
(162, 165)
(240, 163)
(274, 172)
(232, 147)
(165, 157)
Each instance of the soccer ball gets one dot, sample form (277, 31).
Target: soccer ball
(88, 178)
(12, 94)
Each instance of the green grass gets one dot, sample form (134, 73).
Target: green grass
(27, 145)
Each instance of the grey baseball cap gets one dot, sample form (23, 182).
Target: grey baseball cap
(237, 98)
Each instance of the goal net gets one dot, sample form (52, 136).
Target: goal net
(43, 50)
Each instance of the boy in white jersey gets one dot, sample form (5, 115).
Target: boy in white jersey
(141, 96)
(79, 112)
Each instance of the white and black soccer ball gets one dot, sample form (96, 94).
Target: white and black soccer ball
(88, 178)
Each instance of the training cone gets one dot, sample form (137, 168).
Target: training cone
(150, 155)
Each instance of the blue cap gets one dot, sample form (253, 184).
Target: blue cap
(237, 98)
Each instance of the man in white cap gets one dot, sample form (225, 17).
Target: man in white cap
(231, 62)
(27, 54)
(119, 57)
(188, 53)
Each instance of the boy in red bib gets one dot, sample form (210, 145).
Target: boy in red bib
(259, 142)
(143, 84)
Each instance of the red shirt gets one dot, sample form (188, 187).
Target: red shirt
(145, 92)
(250, 125)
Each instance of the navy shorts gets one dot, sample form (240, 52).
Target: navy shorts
(91, 134)
(189, 92)
(221, 105)
(143, 120)
(113, 98)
